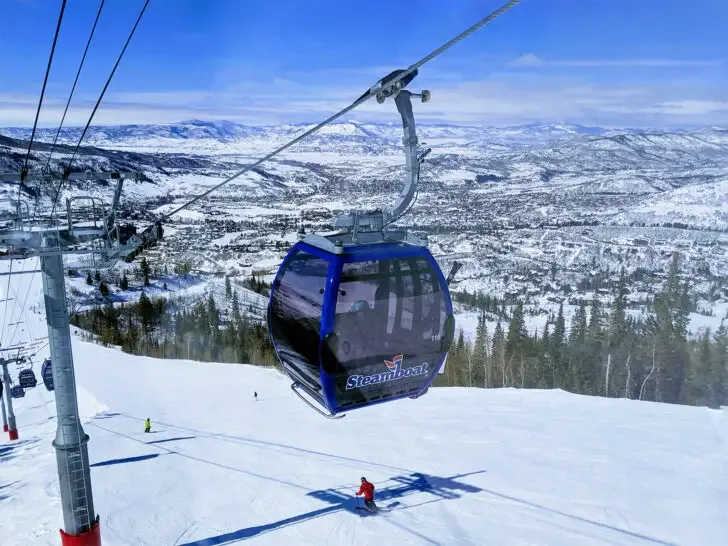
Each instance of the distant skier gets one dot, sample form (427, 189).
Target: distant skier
(367, 489)
(255, 395)
(147, 425)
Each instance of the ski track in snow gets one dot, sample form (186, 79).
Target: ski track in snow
(457, 466)
(494, 467)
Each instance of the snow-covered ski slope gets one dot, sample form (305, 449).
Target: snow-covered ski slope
(458, 466)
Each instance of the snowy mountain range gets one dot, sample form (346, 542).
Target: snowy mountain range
(491, 196)
(554, 146)
(227, 131)
(544, 156)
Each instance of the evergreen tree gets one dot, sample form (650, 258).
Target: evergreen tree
(579, 368)
(592, 363)
(594, 330)
(480, 354)
(237, 317)
(557, 350)
(182, 269)
(498, 357)
(97, 276)
(146, 312)
(145, 270)
(149, 327)
(89, 280)
(228, 288)
(132, 337)
(516, 333)
(110, 327)
(212, 313)
(103, 290)
(720, 356)
(619, 343)
(201, 320)
(672, 313)
(700, 385)
(546, 339)
(578, 326)
(124, 282)
(458, 363)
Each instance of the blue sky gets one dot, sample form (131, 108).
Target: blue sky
(636, 63)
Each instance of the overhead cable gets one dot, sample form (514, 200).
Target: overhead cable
(42, 93)
(372, 92)
(96, 107)
(73, 88)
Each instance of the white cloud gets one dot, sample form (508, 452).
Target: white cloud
(531, 60)
(694, 107)
(528, 59)
(518, 97)
(645, 63)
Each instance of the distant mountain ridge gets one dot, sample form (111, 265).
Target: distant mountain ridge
(228, 131)
(541, 171)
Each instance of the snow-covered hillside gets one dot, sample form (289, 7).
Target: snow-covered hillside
(458, 466)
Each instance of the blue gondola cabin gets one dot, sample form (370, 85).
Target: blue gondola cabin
(26, 379)
(357, 325)
(17, 391)
(46, 372)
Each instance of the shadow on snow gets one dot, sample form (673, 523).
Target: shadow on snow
(106, 415)
(126, 460)
(441, 488)
(6, 452)
(414, 482)
(438, 487)
(3, 496)
(172, 439)
(275, 446)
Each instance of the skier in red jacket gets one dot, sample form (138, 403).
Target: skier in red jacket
(367, 489)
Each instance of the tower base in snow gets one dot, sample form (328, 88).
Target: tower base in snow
(92, 537)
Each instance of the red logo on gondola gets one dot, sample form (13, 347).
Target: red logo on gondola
(396, 361)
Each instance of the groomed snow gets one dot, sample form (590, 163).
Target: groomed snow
(457, 466)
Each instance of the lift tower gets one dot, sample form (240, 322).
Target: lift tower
(84, 227)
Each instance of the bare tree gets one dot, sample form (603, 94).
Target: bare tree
(503, 369)
(485, 366)
(606, 377)
(642, 389)
(629, 375)
(522, 372)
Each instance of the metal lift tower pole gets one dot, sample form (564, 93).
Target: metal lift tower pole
(80, 522)
(12, 429)
(5, 415)
(71, 440)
